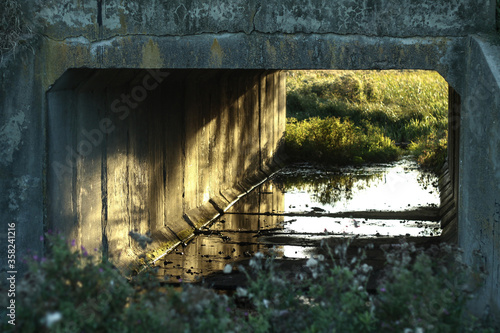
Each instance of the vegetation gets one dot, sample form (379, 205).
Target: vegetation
(420, 291)
(347, 117)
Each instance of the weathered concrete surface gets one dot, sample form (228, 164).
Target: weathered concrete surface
(479, 194)
(108, 18)
(232, 35)
(153, 150)
(242, 51)
(22, 154)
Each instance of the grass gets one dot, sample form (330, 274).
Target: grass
(419, 291)
(348, 117)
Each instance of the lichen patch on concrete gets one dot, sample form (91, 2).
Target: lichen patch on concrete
(11, 137)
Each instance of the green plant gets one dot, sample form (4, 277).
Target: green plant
(431, 152)
(327, 296)
(70, 291)
(426, 290)
(402, 106)
(336, 141)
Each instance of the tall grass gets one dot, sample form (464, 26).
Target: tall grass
(386, 107)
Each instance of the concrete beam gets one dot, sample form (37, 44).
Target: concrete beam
(259, 51)
(99, 20)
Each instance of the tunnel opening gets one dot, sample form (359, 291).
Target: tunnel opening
(165, 152)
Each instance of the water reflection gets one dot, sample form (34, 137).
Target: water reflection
(397, 186)
(232, 237)
(296, 209)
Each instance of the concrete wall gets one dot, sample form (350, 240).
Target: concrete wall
(22, 154)
(479, 193)
(233, 35)
(105, 19)
(156, 151)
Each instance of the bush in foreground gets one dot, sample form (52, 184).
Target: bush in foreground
(421, 291)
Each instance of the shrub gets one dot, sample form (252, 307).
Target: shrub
(426, 291)
(403, 106)
(337, 141)
(431, 152)
(70, 291)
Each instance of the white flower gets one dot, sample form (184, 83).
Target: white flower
(419, 330)
(311, 263)
(321, 257)
(228, 269)
(51, 318)
(365, 268)
(241, 292)
(266, 303)
(259, 255)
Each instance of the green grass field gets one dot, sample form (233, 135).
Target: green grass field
(350, 117)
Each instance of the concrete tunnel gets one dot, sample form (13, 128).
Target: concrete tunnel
(86, 56)
(154, 150)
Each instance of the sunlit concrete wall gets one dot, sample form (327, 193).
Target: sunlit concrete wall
(160, 151)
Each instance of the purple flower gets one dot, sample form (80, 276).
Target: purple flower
(383, 289)
(35, 257)
(41, 238)
(101, 270)
(228, 309)
(73, 243)
(446, 312)
(44, 259)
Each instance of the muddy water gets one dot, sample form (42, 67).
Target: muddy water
(302, 205)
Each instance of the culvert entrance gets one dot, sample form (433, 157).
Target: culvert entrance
(306, 205)
(166, 151)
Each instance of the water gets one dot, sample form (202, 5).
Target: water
(303, 205)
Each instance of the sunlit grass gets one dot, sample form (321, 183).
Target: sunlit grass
(385, 106)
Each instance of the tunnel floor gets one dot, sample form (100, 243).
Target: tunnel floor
(304, 206)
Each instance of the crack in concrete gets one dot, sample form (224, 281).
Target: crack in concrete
(226, 32)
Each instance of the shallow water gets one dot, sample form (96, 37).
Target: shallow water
(294, 210)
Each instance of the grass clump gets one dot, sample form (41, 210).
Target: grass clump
(420, 291)
(386, 106)
(336, 141)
